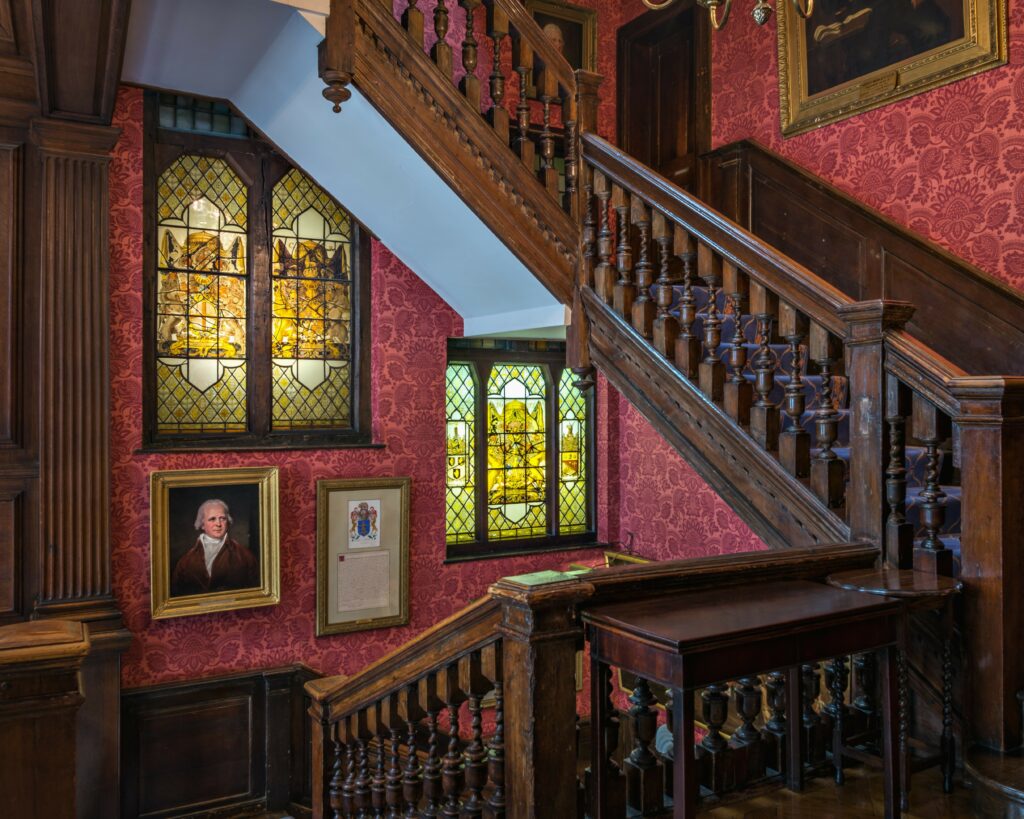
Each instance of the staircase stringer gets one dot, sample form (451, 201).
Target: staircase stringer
(779, 509)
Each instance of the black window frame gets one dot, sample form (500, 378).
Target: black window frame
(482, 355)
(260, 166)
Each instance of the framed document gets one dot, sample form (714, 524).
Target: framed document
(362, 554)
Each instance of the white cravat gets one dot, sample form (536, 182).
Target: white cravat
(211, 548)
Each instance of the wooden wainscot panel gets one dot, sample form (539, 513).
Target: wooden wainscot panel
(10, 260)
(220, 745)
(10, 548)
(806, 232)
(17, 76)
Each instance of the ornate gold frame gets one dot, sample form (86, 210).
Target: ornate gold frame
(983, 46)
(162, 605)
(578, 15)
(324, 623)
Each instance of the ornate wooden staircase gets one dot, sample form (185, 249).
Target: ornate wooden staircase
(813, 397)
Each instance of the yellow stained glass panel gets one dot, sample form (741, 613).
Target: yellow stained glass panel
(572, 462)
(460, 454)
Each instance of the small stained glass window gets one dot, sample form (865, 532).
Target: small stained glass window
(460, 452)
(572, 462)
(201, 298)
(312, 307)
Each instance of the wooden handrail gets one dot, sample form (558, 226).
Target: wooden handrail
(541, 46)
(793, 282)
(923, 370)
(463, 632)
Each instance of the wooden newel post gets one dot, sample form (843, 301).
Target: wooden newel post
(322, 759)
(336, 54)
(585, 105)
(541, 635)
(867, 323)
(991, 461)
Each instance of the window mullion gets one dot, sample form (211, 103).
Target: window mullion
(482, 371)
(259, 306)
(551, 456)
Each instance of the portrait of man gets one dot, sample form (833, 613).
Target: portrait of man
(572, 30)
(216, 562)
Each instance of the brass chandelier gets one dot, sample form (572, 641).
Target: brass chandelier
(762, 9)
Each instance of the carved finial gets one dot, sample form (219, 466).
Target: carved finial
(336, 91)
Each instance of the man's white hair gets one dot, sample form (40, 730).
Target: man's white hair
(201, 514)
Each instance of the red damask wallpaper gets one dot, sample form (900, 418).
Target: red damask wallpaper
(947, 163)
(410, 326)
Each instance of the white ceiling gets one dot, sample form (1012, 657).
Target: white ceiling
(261, 55)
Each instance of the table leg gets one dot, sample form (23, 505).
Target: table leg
(794, 729)
(684, 763)
(948, 742)
(890, 657)
(838, 693)
(598, 748)
(903, 713)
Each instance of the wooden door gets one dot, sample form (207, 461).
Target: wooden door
(664, 91)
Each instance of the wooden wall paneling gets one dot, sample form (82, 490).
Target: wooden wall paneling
(17, 74)
(11, 525)
(225, 744)
(11, 204)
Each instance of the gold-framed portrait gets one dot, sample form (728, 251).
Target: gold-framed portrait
(572, 30)
(214, 540)
(362, 554)
(852, 56)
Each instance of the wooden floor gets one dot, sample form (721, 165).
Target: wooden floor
(859, 798)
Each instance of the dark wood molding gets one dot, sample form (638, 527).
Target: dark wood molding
(401, 82)
(217, 746)
(79, 47)
(867, 256)
(781, 511)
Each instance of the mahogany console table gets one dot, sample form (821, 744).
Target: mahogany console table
(692, 640)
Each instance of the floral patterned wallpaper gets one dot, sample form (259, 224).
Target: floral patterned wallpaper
(946, 163)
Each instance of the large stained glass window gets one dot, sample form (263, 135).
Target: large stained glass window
(312, 320)
(201, 297)
(257, 291)
(520, 478)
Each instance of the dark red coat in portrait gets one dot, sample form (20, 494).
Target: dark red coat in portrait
(233, 568)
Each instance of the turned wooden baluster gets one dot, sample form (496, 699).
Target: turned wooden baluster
(711, 369)
(522, 57)
(548, 90)
(865, 669)
(811, 688)
(410, 711)
(452, 772)
(827, 469)
(764, 416)
(348, 788)
(378, 776)
(476, 685)
(837, 710)
(666, 326)
(624, 291)
(775, 726)
(497, 30)
(643, 775)
(749, 764)
(687, 344)
(715, 710)
(899, 532)
(363, 800)
(470, 83)
(737, 393)
(604, 273)
(932, 427)
(442, 52)
(794, 443)
(391, 721)
(572, 163)
(334, 788)
(432, 765)
(492, 669)
(604, 777)
(589, 228)
(412, 20)
(643, 306)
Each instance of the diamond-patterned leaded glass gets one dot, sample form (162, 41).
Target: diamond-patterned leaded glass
(201, 297)
(516, 452)
(312, 312)
(460, 472)
(572, 461)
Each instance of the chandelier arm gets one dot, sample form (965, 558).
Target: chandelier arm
(658, 6)
(801, 9)
(717, 23)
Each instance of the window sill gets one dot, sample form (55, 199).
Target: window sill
(493, 551)
(258, 444)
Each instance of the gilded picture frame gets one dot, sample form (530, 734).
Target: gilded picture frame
(362, 554)
(576, 34)
(214, 540)
(851, 57)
